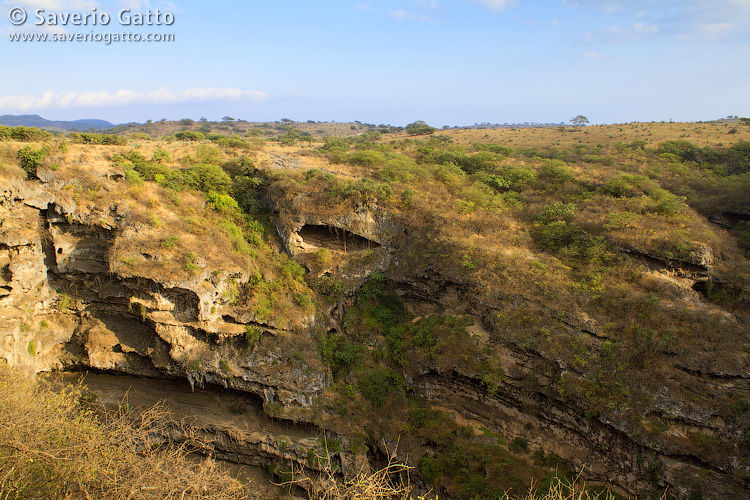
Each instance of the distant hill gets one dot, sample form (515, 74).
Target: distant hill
(39, 122)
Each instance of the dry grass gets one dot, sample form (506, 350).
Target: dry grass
(702, 134)
(53, 445)
(364, 485)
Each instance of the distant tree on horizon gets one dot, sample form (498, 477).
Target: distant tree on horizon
(419, 128)
(579, 120)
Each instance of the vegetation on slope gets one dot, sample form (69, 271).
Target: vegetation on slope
(58, 444)
(552, 232)
(570, 239)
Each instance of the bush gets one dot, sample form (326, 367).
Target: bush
(161, 156)
(519, 445)
(377, 385)
(555, 235)
(399, 167)
(668, 203)
(519, 178)
(28, 134)
(483, 160)
(419, 128)
(339, 353)
(31, 159)
(367, 158)
(497, 182)
(557, 212)
(556, 171)
(332, 144)
(97, 138)
(189, 135)
(208, 177)
(242, 166)
(494, 148)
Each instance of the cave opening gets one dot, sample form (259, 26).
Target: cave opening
(335, 238)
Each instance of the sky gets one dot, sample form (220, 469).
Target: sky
(447, 62)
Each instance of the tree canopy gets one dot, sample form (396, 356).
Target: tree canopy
(579, 120)
(419, 128)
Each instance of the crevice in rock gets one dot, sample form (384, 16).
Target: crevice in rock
(335, 238)
(681, 267)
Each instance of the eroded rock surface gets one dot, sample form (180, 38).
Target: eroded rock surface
(65, 305)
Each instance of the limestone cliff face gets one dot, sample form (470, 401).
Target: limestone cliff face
(65, 303)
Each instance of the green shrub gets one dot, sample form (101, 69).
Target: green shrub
(189, 135)
(429, 468)
(378, 384)
(208, 177)
(555, 235)
(242, 166)
(519, 177)
(398, 167)
(339, 353)
(556, 171)
(498, 149)
(134, 178)
(63, 301)
(332, 144)
(557, 212)
(170, 242)
(28, 134)
(519, 445)
(668, 203)
(367, 158)
(252, 335)
(481, 161)
(31, 159)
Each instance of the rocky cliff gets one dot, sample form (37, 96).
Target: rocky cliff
(87, 285)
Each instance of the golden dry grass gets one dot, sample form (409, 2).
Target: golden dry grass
(54, 446)
(702, 134)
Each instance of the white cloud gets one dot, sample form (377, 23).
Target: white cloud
(593, 55)
(618, 33)
(135, 5)
(429, 4)
(716, 30)
(498, 5)
(708, 19)
(51, 99)
(426, 11)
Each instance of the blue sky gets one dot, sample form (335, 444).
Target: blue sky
(456, 62)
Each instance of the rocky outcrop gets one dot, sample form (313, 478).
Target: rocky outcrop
(65, 305)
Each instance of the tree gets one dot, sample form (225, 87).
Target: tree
(579, 120)
(31, 158)
(419, 128)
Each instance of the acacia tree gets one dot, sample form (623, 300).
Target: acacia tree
(579, 120)
(419, 128)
